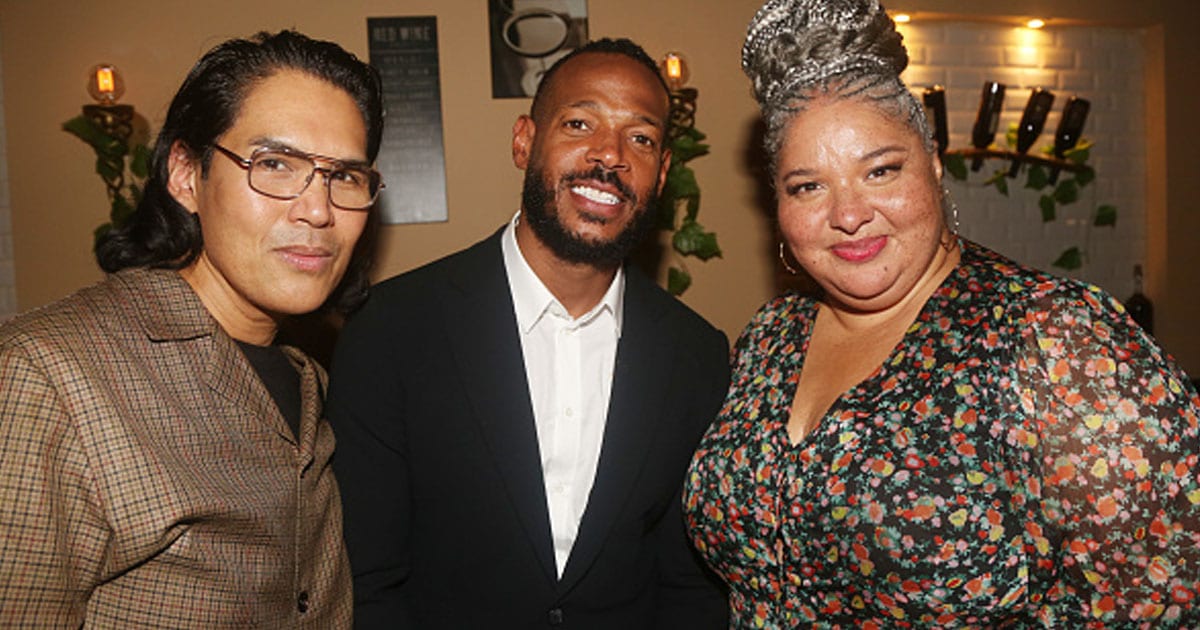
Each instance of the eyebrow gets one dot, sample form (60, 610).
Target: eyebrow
(866, 157)
(273, 144)
(586, 104)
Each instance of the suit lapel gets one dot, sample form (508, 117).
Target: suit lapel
(169, 310)
(487, 349)
(635, 406)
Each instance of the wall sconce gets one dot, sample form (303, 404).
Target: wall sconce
(106, 86)
(1032, 122)
(935, 101)
(675, 72)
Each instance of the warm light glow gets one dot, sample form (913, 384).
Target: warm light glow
(105, 84)
(674, 69)
(104, 80)
(1035, 23)
(902, 18)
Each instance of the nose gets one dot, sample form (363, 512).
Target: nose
(850, 210)
(313, 205)
(607, 150)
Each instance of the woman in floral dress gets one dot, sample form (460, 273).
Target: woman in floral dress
(942, 438)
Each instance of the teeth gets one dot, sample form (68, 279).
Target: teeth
(599, 196)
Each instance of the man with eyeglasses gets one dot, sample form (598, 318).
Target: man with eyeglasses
(163, 464)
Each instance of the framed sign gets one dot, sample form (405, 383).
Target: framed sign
(412, 158)
(527, 37)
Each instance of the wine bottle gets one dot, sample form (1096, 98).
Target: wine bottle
(1032, 122)
(1070, 128)
(987, 120)
(935, 102)
(1140, 308)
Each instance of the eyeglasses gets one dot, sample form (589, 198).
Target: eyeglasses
(286, 174)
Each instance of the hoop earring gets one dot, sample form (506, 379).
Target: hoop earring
(947, 198)
(783, 259)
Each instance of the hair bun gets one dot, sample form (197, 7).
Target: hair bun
(793, 44)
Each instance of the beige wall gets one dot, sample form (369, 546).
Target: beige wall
(49, 45)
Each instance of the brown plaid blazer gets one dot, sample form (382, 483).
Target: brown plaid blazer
(147, 479)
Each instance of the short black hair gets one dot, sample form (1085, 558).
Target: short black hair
(161, 232)
(619, 46)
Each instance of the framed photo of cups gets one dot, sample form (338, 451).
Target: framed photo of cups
(527, 37)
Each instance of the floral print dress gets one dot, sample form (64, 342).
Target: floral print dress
(1026, 457)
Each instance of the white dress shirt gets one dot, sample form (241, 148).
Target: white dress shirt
(569, 366)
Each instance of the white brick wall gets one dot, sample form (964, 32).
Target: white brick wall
(1103, 65)
(8, 291)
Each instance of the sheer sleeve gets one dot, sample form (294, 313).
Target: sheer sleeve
(1119, 442)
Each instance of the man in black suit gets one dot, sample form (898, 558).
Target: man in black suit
(514, 421)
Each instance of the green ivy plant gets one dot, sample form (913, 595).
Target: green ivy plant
(1037, 178)
(689, 238)
(122, 164)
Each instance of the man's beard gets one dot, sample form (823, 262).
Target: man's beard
(537, 201)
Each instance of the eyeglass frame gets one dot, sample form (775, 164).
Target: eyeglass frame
(247, 163)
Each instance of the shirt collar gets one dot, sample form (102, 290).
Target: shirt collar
(532, 300)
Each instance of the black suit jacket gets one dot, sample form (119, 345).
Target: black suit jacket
(437, 457)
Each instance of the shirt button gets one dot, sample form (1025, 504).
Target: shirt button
(302, 602)
(569, 412)
(555, 616)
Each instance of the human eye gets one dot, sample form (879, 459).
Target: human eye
(795, 189)
(275, 162)
(575, 124)
(884, 172)
(645, 140)
(352, 177)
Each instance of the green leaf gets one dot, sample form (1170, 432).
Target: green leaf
(956, 165)
(1038, 178)
(666, 212)
(1085, 177)
(1066, 192)
(1105, 215)
(139, 162)
(691, 240)
(999, 179)
(687, 147)
(1046, 203)
(693, 207)
(1079, 154)
(678, 281)
(1010, 136)
(681, 182)
(1069, 259)
(109, 170)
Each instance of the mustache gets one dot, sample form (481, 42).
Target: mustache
(603, 175)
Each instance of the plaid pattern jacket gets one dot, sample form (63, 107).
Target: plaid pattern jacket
(147, 479)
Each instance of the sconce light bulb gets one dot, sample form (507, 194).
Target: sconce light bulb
(1036, 23)
(675, 71)
(105, 84)
(902, 18)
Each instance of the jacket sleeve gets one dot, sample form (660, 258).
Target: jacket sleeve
(366, 410)
(53, 537)
(690, 595)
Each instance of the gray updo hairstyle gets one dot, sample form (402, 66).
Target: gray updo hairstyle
(798, 50)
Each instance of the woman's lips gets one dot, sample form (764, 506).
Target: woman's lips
(860, 250)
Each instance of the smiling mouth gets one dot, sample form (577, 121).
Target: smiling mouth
(598, 196)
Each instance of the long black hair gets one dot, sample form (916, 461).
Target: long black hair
(162, 233)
